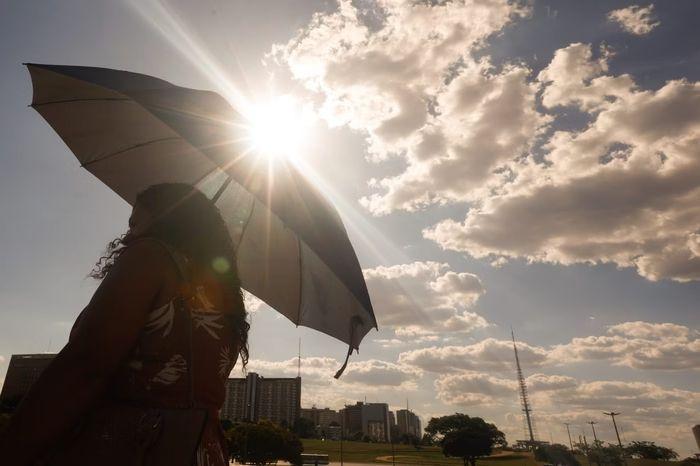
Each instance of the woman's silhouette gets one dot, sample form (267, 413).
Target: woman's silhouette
(132, 345)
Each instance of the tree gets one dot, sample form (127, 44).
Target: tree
(467, 444)
(556, 454)
(651, 451)
(439, 426)
(427, 440)
(465, 437)
(304, 428)
(263, 443)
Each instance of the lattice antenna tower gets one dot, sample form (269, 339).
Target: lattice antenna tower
(524, 399)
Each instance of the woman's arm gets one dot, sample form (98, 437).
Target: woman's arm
(76, 378)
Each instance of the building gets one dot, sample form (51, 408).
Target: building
(321, 417)
(372, 419)
(23, 371)
(393, 428)
(254, 398)
(408, 423)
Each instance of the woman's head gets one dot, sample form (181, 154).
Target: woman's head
(184, 218)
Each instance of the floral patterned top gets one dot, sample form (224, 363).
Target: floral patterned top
(155, 373)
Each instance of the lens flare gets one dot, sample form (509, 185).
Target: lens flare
(220, 265)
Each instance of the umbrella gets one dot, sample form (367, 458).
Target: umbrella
(132, 131)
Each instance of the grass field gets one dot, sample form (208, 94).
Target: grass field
(380, 453)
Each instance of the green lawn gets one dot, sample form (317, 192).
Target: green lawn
(380, 453)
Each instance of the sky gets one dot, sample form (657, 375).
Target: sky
(526, 165)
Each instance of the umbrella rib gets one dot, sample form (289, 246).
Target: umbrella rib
(221, 189)
(245, 227)
(135, 146)
(100, 99)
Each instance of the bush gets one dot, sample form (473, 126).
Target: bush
(263, 443)
(556, 454)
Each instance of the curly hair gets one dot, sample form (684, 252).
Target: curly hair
(185, 219)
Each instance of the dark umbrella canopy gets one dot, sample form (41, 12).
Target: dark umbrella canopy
(132, 131)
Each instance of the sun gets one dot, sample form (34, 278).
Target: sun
(279, 127)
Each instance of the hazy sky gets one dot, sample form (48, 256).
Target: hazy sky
(530, 165)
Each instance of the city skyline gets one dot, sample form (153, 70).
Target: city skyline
(496, 164)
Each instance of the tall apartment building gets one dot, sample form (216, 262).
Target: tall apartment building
(408, 423)
(23, 371)
(372, 419)
(321, 417)
(254, 398)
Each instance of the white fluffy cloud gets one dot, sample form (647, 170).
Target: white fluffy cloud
(489, 354)
(473, 388)
(640, 345)
(421, 298)
(402, 73)
(635, 19)
(624, 189)
(372, 372)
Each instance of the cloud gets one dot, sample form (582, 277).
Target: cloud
(372, 372)
(473, 388)
(623, 190)
(639, 345)
(403, 75)
(543, 382)
(635, 19)
(559, 399)
(488, 354)
(421, 298)
(380, 373)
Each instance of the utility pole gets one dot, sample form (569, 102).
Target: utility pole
(568, 432)
(595, 438)
(612, 415)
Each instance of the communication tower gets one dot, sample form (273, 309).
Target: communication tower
(524, 400)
